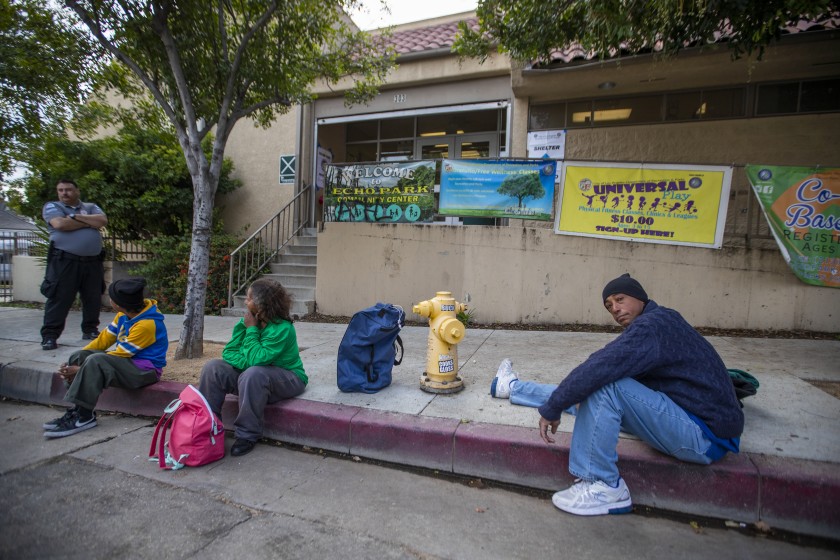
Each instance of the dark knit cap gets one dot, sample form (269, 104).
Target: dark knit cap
(127, 292)
(627, 286)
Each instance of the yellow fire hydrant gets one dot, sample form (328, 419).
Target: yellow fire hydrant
(445, 332)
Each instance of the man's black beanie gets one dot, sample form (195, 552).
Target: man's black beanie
(627, 286)
(127, 292)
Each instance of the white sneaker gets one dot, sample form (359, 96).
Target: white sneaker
(500, 387)
(594, 498)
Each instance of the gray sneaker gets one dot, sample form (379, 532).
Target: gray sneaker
(71, 425)
(594, 498)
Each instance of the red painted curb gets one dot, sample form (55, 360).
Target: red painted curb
(512, 454)
(403, 438)
(727, 489)
(799, 495)
(791, 494)
(312, 423)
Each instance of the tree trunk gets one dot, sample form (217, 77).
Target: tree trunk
(191, 341)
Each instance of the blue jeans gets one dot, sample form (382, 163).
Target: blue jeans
(528, 393)
(624, 405)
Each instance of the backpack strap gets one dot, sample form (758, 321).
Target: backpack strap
(372, 376)
(398, 350)
(163, 454)
(167, 413)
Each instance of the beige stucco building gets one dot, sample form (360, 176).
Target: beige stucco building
(700, 107)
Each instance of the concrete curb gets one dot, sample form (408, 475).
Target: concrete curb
(790, 494)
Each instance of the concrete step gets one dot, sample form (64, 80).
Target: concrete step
(299, 308)
(302, 269)
(308, 260)
(298, 286)
(306, 241)
(297, 280)
(302, 250)
(298, 293)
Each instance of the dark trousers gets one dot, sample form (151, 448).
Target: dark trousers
(256, 387)
(66, 276)
(100, 370)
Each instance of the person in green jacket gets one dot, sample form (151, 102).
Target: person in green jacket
(261, 363)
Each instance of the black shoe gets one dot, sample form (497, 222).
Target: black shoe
(242, 447)
(52, 425)
(72, 425)
(92, 335)
(49, 344)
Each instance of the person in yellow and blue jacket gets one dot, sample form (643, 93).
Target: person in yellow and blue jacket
(139, 340)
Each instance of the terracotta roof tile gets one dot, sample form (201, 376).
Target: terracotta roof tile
(575, 52)
(428, 38)
(442, 35)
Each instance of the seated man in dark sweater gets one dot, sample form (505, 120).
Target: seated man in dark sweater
(659, 380)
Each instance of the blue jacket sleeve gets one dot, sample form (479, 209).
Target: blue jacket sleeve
(633, 352)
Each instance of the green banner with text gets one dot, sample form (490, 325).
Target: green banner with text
(802, 206)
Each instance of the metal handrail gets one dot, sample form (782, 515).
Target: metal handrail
(249, 259)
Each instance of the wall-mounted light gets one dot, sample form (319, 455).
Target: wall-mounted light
(606, 85)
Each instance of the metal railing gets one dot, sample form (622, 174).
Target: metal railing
(34, 243)
(119, 249)
(255, 253)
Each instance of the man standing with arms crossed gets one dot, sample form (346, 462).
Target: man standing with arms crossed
(74, 263)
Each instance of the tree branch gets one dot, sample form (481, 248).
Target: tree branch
(97, 32)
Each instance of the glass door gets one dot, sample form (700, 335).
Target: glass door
(474, 146)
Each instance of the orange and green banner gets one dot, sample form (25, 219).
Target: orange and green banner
(672, 204)
(802, 206)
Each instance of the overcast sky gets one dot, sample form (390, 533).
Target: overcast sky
(404, 11)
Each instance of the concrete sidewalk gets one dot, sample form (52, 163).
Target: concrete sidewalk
(787, 476)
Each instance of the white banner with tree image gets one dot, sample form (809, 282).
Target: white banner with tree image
(498, 188)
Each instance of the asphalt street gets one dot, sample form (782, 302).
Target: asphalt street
(95, 495)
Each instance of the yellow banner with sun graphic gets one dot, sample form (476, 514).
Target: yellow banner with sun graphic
(672, 204)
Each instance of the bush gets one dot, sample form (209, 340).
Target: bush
(166, 274)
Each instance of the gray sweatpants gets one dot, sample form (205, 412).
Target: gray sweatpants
(100, 370)
(256, 387)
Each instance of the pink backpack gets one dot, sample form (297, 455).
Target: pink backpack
(197, 436)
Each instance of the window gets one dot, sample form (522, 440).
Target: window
(777, 99)
(361, 152)
(398, 150)
(396, 128)
(811, 96)
(823, 95)
(394, 139)
(798, 97)
(712, 104)
(361, 131)
(548, 117)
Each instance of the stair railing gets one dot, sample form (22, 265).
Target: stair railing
(255, 253)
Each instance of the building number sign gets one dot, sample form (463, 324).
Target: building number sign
(399, 98)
